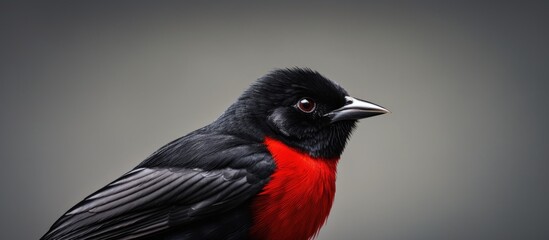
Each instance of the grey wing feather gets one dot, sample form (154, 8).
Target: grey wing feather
(149, 200)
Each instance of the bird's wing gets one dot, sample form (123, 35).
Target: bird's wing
(147, 201)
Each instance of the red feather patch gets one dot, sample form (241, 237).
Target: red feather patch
(298, 198)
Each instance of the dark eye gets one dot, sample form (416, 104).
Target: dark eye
(306, 105)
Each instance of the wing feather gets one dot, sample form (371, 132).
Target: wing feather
(150, 200)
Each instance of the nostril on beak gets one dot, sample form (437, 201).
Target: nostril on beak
(348, 100)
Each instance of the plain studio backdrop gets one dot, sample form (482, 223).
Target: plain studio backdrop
(88, 90)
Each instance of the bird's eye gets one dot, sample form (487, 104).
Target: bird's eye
(306, 105)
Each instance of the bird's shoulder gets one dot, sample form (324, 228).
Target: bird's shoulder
(211, 150)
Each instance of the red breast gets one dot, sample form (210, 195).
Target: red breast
(298, 198)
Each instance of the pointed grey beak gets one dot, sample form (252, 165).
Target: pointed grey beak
(355, 109)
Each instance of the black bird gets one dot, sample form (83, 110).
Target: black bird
(265, 169)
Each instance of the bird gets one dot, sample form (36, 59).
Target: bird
(265, 169)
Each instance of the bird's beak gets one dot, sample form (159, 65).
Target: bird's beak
(355, 109)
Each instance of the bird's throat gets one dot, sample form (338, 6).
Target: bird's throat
(298, 198)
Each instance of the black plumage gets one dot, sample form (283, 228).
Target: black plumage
(184, 182)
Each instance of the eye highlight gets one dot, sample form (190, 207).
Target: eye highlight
(306, 105)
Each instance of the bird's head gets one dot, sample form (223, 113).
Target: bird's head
(303, 109)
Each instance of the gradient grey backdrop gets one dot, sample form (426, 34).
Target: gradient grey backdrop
(88, 90)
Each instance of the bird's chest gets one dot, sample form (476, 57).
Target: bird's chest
(298, 198)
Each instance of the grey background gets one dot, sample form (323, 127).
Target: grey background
(89, 89)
